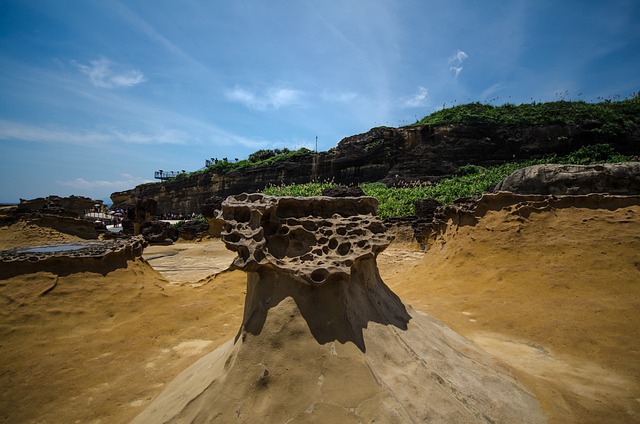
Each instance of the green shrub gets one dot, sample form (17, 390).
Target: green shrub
(298, 190)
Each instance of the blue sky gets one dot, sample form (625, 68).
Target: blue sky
(97, 95)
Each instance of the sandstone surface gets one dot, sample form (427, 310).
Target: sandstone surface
(338, 346)
(68, 258)
(553, 293)
(612, 178)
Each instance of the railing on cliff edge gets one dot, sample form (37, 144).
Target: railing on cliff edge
(166, 175)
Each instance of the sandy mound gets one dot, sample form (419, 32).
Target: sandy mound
(550, 288)
(24, 233)
(92, 348)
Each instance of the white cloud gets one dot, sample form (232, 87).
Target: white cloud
(125, 182)
(419, 99)
(274, 98)
(102, 75)
(455, 62)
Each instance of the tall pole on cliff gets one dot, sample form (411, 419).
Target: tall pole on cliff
(316, 144)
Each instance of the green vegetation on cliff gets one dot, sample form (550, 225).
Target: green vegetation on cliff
(471, 180)
(258, 158)
(614, 116)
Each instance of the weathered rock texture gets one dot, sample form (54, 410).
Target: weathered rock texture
(468, 211)
(74, 206)
(157, 232)
(67, 258)
(391, 155)
(192, 230)
(72, 226)
(141, 212)
(58, 213)
(210, 210)
(314, 238)
(336, 345)
(612, 178)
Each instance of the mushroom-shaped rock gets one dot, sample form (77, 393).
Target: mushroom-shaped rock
(316, 239)
(323, 339)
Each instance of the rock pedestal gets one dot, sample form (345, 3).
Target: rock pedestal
(291, 246)
(323, 339)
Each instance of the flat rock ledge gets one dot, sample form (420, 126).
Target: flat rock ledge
(67, 258)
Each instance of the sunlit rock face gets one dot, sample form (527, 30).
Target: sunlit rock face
(561, 179)
(316, 239)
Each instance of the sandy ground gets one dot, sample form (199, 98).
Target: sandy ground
(555, 296)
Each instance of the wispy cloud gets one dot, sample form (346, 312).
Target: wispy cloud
(339, 97)
(490, 91)
(455, 62)
(10, 130)
(419, 99)
(125, 181)
(101, 74)
(274, 98)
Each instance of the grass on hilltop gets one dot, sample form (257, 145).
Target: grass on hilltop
(608, 117)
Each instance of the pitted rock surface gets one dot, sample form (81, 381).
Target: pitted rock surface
(314, 238)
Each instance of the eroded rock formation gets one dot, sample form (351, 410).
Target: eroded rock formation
(141, 212)
(157, 232)
(314, 239)
(74, 206)
(67, 258)
(612, 178)
(323, 339)
(468, 211)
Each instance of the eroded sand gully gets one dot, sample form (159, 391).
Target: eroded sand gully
(556, 296)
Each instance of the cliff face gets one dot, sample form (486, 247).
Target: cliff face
(391, 155)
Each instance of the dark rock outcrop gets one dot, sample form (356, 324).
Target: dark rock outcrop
(211, 206)
(157, 232)
(425, 211)
(392, 155)
(613, 178)
(73, 206)
(194, 229)
(141, 212)
(343, 191)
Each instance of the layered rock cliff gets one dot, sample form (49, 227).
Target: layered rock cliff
(391, 155)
